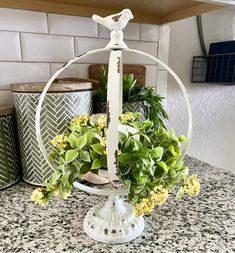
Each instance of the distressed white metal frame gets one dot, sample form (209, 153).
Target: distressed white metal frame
(115, 221)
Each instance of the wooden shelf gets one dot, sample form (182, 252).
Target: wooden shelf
(149, 11)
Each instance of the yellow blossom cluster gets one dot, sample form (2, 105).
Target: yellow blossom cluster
(192, 185)
(145, 206)
(38, 197)
(81, 120)
(60, 141)
(127, 117)
(158, 197)
(102, 122)
(103, 141)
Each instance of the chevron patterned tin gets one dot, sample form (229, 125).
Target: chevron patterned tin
(9, 167)
(57, 111)
(141, 107)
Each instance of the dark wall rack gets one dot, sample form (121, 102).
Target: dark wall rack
(216, 68)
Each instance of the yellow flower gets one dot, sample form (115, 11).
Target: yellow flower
(145, 206)
(38, 197)
(81, 120)
(60, 141)
(159, 195)
(192, 185)
(103, 141)
(127, 117)
(102, 122)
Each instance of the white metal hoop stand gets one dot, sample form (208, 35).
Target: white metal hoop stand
(115, 221)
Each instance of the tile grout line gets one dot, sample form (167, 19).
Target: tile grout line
(62, 62)
(76, 36)
(20, 44)
(47, 22)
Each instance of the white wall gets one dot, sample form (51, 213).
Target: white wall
(213, 105)
(33, 45)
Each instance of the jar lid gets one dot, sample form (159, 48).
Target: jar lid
(6, 110)
(59, 85)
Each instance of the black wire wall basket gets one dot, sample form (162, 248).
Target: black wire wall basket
(216, 68)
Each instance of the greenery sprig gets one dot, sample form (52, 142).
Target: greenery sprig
(133, 92)
(148, 161)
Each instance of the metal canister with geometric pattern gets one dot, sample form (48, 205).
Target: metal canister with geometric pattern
(9, 166)
(63, 101)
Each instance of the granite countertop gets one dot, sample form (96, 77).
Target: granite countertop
(205, 223)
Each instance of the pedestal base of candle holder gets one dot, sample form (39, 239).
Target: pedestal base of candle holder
(113, 222)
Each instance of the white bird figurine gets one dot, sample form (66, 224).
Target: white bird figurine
(116, 21)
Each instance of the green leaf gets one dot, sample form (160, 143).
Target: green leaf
(96, 164)
(55, 176)
(125, 170)
(84, 156)
(143, 179)
(180, 193)
(138, 145)
(77, 164)
(72, 140)
(172, 150)
(163, 165)
(90, 135)
(71, 155)
(98, 148)
(127, 146)
(103, 161)
(146, 161)
(52, 156)
(184, 173)
(182, 138)
(146, 137)
(93, 154)
(134, 199)
(152, 170)
(81, 141)
(61, 161)
(157, 152)
(86, 167)
(179, 166)
(64, 178)
(125, 158)
(127, 184)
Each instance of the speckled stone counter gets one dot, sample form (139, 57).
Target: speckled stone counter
(201, 224)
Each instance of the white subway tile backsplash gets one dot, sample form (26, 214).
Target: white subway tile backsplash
(46, 48)
(9, 46)
(163, 29)
(83, 45)
(134, 58)
(131, 32)
(162, 83)
(29, 54)
(6, 97)
(148, 32)
(71, 25)
(74, 70)
(163, 49)
(151, 76)
(16, 72)
(21, 20)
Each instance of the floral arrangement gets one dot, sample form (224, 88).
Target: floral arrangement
(147, 159)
